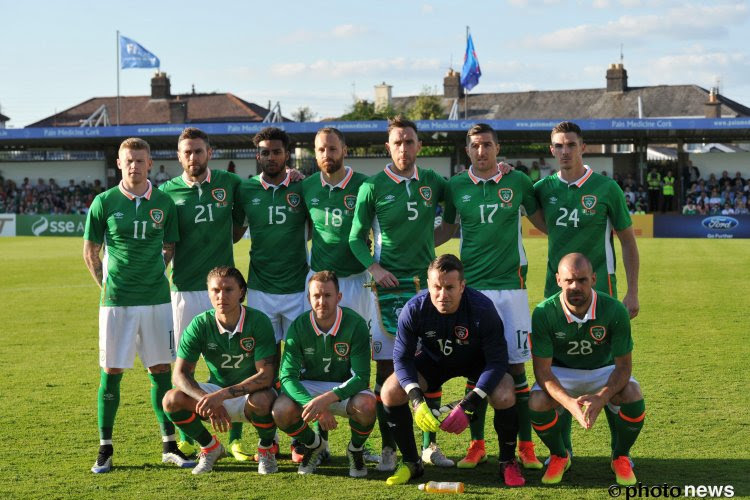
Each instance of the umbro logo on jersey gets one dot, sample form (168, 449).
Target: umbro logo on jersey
(465, 198)
(309, 351)
(212, 347)
(314, 202)
(560, 335)
(256, 201)
(180, 202)
(553, 200)
(389, 198)
(430, 334)
(119, 215)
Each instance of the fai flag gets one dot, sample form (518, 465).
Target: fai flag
(133, 55)
(470, 73)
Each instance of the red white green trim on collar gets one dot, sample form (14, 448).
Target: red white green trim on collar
(397, 178)
(266, 185)
(590, 314)
(132, 196)
(191, 183)
(476, 180)
(340, 185)
(336, 324)
(578, 182)
(238, 328)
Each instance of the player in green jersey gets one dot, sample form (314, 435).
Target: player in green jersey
(581, 348)
(137, 226)
(276, 216)
(489, 205)
(582, 209)
(325, 371)
(207, 212)
(239, 348)
(399, 205)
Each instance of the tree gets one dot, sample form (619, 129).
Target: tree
(364, 110)
(427, 106)
(304, 114)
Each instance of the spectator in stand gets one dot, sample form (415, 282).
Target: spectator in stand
(41, 187)
(232, 167)
(629, 195)
(521, 167)
(161, 176)
(544, 169)
(695, 174)
(702, 208)
(712, 182)
(690, 207)
(535, 174)
(640, 207)
(715, 198)
(741, 208)
(725, 180)
(97, 187)
(629, 182)
(618, 180)
(728, 209)
(714, 209)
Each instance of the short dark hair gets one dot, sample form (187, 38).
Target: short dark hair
(229, 272)
(480, 128)
(324, 277)
(334, 131)
(565, 127)
(400, 121)
(447, 263)
(194, 133)
(272, 134)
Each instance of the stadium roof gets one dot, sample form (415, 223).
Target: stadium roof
(161, 107)
(3, 118)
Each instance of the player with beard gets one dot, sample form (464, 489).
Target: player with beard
(276, 216)
(581, 348)
(207, 213)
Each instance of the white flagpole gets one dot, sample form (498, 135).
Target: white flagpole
(118, 76)
(466, 91)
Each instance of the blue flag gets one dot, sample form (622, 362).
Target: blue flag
(133, 55)
(470, 73)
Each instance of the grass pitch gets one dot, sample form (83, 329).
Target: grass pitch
(692, 349)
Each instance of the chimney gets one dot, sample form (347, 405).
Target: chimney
(712, 108)
(160, 88)
(382, 96)
(178, 111)
(617, 78)
(452, 88)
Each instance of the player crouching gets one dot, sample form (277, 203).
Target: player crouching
(324, 372)
(239, 347)
(452, 331)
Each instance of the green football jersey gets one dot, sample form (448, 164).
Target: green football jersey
(331, 210)
(581, 217)
(401, 213)
(133, 230)
(277, 220)
(206, 212)
(341, 355)
(230, 356)
(490, 214)
(585, 344)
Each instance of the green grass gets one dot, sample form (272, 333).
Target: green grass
(691, 357)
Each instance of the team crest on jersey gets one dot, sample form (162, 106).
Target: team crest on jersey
(350, 201)
(461, 332)
(247, 344)
(157, 215)
(219, 194)
(341, 348)
(505, 194)
(293, 199)
(598, 333)
(377, 346)
(589, 202)
(426, 192)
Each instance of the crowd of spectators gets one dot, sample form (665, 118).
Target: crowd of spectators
(47, 197)
(725, 195)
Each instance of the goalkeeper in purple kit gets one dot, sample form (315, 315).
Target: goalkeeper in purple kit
(452, 331)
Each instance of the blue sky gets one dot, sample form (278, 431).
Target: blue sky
(54, 55)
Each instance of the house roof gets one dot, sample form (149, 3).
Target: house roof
(3, 118)
(661, 101)
(137, 110)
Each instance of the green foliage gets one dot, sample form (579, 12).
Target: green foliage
(304, 114)
(427, 106)
(691, 352)
(364, 110)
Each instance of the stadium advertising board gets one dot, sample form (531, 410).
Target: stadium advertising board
(702, 226)
(50, 225)
(7, 225)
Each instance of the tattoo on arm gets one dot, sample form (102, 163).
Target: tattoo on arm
(93, 261)
(257, 382)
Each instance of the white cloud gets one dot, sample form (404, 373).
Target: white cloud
(348, 30)
(688, 22)
(381, 68)
(427, 8)
(340, 31)
(601, 4)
